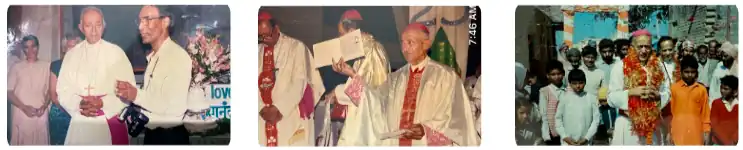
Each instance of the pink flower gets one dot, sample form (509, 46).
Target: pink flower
(226, 66)
(219, 51)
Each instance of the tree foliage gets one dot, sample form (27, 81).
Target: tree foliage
(639, 16)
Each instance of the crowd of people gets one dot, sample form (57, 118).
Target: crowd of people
(631, 92)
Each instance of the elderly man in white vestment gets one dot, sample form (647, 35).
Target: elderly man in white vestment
(87, 79)
(289, 87)
(374, 68)
(424, 101)
(621, 89)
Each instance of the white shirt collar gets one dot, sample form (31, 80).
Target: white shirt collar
(420, 65)
(558, 88)
(729, 105)
(163, 46)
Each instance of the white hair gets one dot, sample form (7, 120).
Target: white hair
(92, 8)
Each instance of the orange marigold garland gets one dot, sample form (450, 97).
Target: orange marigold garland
(644, 114)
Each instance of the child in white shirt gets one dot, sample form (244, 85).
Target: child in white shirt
(578, 116)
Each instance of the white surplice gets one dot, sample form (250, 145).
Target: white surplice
(374, 68)
(618, 98)
(442, 107)
(294, 70)
(97, 66)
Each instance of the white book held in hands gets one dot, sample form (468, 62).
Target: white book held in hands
(348, 47)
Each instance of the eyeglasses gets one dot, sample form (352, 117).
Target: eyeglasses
(147, 20)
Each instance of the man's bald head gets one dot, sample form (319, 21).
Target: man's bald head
(415, 43)
(153, 23)
(92, 24)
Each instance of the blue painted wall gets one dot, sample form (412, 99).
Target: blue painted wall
(587, 26)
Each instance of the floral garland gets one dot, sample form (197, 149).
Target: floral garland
(644, 114)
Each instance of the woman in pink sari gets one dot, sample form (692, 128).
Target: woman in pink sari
(28, 83)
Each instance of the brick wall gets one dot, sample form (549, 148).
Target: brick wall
(681, 14)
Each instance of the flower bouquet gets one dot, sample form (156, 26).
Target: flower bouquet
(210, 60)
(642, 111)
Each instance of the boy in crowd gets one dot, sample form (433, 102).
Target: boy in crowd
(724, 113)
(690, 124)
(578, 116)
(527, 130)
(548, 100)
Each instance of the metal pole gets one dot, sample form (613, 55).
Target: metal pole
(691, 23)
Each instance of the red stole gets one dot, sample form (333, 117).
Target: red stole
(266, 81)
(408, 106)
(119, 135)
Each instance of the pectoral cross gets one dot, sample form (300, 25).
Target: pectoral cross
(89, 88)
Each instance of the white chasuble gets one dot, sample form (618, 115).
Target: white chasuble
(297, 86)
(441, 106)
(92, 70)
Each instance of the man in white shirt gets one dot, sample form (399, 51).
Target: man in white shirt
(608, 59)
(609, 114)
(594, 75)
(713, 57)
(166, 83)
(701, 54)
(728, 56)
(578, 116)
(667, 52)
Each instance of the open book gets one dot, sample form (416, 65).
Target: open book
(348, 46)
